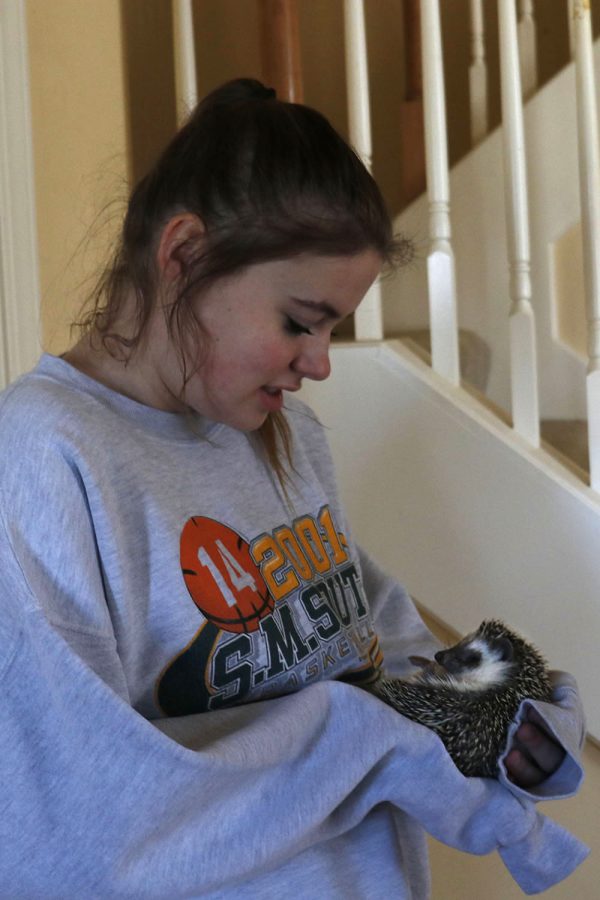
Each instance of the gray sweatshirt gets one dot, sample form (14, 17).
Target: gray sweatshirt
(181, 649)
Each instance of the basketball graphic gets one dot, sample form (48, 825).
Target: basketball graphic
(222, 578)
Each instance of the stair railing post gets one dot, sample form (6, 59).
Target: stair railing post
(280, 48)
(589, 180)
(368, 318)
(523, 353)
(186, 87)
(527, 48)
(412, 162)
(571, 15)
(441, 275)
(478, 75)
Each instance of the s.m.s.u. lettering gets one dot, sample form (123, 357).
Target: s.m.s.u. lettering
(281, 610)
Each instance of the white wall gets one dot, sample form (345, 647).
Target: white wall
(474, 522)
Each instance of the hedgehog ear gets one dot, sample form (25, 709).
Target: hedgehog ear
(419, 661)
(505, 648)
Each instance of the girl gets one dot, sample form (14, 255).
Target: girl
(175, 565)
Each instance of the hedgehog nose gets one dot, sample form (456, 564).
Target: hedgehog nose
(439, 656)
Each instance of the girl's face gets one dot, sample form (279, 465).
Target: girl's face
(267, 328)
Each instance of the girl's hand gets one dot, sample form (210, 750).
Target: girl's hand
(534, 756)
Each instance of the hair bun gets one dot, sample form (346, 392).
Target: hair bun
(239, 90)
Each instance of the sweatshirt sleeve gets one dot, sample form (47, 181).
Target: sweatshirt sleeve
(564, 721)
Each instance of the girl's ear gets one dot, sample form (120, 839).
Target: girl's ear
(178, 243)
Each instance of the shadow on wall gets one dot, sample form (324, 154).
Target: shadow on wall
(149, 80)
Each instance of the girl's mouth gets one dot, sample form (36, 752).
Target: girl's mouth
(272, 398)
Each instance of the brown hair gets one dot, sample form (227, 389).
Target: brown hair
(269, 180)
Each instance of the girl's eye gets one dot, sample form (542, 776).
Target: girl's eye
(295, 327)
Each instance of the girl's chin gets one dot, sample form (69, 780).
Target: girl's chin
(250, 422)
(248, 414)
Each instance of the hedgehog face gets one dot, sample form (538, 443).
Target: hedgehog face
(478, 663)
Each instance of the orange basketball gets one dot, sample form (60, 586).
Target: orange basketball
(223, 580)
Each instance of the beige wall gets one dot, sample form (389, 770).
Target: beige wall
(80, 144)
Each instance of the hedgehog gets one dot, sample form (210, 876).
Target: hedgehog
(470, 693)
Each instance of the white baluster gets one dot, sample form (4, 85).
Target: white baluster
(368, 318)
(186, 88)
(571, 15)
(478, 74)
(524, 386)
(527, 48)
(441, 277)
(589, 179)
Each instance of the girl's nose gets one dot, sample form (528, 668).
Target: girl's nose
(313, 361)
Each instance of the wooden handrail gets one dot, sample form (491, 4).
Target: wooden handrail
(280, 48)
(412, 50)
(411, 109)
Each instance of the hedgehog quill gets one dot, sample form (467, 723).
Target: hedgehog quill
(469, 695)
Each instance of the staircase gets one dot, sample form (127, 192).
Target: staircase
(479, 243)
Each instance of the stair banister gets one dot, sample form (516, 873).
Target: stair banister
(571, 15)
(186, 87)
(368, 318)
(589, 180)
(523, 354)
(441, 275)
(527, 48)
(280, 48)
(478, 92)
(412, 161)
